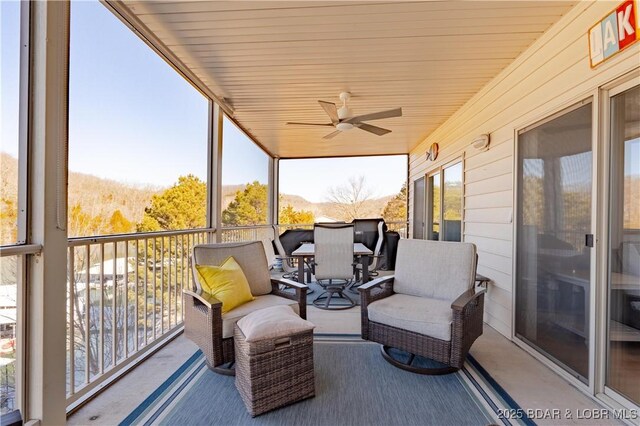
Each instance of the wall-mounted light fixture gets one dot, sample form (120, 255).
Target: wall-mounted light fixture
(432, 153)
(481, 143)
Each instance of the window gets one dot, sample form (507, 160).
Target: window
(444, 197)
(9, 111)
(138, 133)
(138, 146)
(11, 190)
(343, 189)
(244, 179)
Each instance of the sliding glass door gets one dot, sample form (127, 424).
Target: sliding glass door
(623, 340)
(553, 259)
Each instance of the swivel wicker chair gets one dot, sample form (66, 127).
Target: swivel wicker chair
(428, 308)
(204, 322)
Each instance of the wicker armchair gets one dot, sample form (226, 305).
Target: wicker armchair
(428, 308)
(204, 322)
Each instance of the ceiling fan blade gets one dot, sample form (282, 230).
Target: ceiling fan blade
(293, 123)
(332, 134)
(375, 116)
(373, 129)
(331, 111)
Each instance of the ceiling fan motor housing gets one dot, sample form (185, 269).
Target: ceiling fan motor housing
(344, 112)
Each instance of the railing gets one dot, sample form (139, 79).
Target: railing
(245, 233)
(124, 298)
(12, 278)
(9, 276)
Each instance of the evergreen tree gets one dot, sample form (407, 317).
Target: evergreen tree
(183, 206)
(119, 224)
(396, 208)
(249, 206)
(288, 215)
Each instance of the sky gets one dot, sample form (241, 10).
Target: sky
(9, 66)
(313, 177)
(133, 119)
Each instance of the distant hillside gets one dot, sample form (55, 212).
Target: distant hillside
(96, 196)
(100, 197)
(229, 193)
(371, 208)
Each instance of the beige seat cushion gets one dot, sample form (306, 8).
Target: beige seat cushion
(230, 319)
(431, 317)
(272, 323)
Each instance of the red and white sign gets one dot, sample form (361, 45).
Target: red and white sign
(614, 33)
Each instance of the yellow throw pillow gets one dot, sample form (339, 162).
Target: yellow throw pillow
(226, 282)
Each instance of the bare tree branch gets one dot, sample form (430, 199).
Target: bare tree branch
(349, 199)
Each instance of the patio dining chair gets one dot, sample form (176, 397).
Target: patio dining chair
(333, 264)
(288, 266)
(204, 322)
(428, 308)
(370, 232)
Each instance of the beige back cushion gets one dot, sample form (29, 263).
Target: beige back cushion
(333, 251)
(437, 269)
(250, 256)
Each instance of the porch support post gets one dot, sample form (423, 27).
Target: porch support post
(215, 175)
(273, 187)
(210, 219)
(46, 299)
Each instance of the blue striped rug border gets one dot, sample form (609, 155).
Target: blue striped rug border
(174, 394)
(159, 391)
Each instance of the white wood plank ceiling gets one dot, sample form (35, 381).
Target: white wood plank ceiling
(273, 60)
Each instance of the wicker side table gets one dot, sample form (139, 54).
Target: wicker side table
(274, 372)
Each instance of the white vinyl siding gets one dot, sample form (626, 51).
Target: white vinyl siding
(551, 74)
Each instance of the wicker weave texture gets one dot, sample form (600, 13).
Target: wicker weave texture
(272, 374)
(466, 328)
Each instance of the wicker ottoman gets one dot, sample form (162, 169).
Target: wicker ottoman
(274, 359)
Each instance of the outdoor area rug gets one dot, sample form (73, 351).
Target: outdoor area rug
(354, 386)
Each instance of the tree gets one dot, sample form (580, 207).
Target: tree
(183, 206)
(120, 224)
(249, 206)
(82, 223)
(8, 221)
(349, 199)
(288, 215)
(396, 208)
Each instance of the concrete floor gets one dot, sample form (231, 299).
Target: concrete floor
(528, 381)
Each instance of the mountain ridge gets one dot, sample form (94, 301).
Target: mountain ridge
(99, 196)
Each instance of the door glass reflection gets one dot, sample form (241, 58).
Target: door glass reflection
(623, 372)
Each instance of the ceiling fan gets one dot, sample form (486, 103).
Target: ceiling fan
(342, 119)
